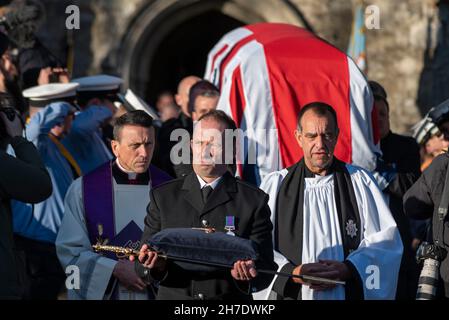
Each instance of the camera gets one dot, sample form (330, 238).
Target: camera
(431, 255)
(54, 76)
(11, 122)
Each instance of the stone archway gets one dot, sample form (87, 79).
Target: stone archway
(170, 39)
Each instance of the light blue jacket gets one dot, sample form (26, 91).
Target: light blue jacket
(42, 222)
(84, 141)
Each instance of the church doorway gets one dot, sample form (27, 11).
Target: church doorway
(170, 39)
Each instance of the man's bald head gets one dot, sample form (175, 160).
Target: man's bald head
(186, 83)
(182, 96)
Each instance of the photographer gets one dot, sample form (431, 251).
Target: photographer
(37, 64)
(429, 198)
(23, 178)
(10, 92)
(423, 201)
(53, 75)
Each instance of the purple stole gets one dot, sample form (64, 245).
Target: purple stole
(98, 195)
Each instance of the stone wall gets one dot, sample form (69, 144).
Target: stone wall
(396, 55)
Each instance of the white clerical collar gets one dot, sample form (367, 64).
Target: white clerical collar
(213, 184)
(317, 176)
(131, 175)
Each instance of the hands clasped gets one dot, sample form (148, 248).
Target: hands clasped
(329, 269)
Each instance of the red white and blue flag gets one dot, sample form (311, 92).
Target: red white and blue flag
(266, 72)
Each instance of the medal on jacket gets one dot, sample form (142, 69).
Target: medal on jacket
(230, 225)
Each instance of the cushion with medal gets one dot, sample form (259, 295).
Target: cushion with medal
(196, 250)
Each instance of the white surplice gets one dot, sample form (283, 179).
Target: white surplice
(74, 248)
(380, 248)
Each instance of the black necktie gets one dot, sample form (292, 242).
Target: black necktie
(206, 191)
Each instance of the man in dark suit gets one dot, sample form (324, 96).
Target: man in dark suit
(401, 154)
(183, 121)
(208, 197)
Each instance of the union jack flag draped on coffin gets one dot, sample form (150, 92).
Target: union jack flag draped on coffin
(266, 72)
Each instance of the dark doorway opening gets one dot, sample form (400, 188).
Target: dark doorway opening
(184, 51)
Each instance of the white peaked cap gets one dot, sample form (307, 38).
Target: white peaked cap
(51, 91)
(424, 130)
(138, 104)
(101, 82)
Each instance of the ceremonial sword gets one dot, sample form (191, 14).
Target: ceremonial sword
(122, 252)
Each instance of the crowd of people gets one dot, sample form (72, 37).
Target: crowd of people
(83, 164)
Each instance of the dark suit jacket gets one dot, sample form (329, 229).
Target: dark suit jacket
(404, 153)
(178, 204)
(26, 179)
(161, 157)
(422, 201)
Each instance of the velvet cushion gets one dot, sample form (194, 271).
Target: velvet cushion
(196, 250)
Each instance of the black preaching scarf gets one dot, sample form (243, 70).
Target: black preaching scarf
(288, 232)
